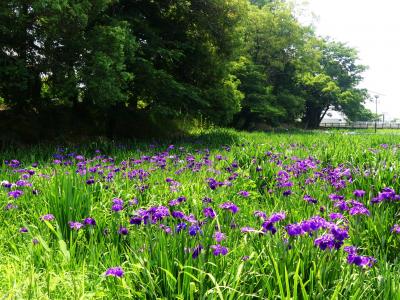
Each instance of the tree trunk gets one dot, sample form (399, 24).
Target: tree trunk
(312, 117)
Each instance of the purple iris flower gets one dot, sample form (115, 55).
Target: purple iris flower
(395, 228)
(190, 218)
(23, 230)
(178, 214)
(206, 200)
(197, 251)
(350, 249)
(118, 201)
(244, 194)
(136, 220)
(75, 225)
(294, 229)
(219, 236)
(276, 217)
(219, 250)
(115, 272)
(340, 234)
(117, 207)
(260, 214)
(89, 222)
(335, 197)
(10, 206)
(325, 241)
(213, 184)
(194, 229)
(359, 193)
(22, 183)
(361, 261)
(310, 199)
(90, 181)
(174, 202)
(14, 163)
(334, 216)
(342, 205)
(209, 213)
(123, 230)
(287, 193)
(15, 194)
(269, 226)
(48, 217)
(318, 222)
(229, 206)
(134, 201)
(166, 229)
(180, 227)
(359, 210)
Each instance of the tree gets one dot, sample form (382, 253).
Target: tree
(21, 55)
(74, 47)
(221, 58)
(275, 48)
(333, 84)
(184, 54)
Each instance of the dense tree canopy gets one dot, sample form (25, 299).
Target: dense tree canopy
(235, 62)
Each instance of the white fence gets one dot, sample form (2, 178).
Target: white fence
(361, 125)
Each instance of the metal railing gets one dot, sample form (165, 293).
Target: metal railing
(361, 125)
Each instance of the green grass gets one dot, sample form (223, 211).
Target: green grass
(68, 264)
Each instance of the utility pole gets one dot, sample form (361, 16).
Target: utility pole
(376, 110)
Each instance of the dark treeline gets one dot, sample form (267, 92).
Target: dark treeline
(235, 62)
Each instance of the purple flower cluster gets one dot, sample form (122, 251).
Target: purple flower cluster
(15, 194)
(395, 229)
(115, 272)
(194, 221)
(10, 206)
(386, 195)
(219, 236)
(268, 224)
(310, 199)
(75, 225)
(213, 184)
(219, 250)
(334, 239)
(177, 201)
(361, 261)
(352, 206)
(308, 226)
(118, 205)
(209, 213)
(152, 215)
(48, 217)
(89, 222)
(244, 194)
(229, 206)
(359, 193)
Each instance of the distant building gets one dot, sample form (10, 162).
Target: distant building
(334, 117)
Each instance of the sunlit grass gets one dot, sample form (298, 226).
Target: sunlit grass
(67, 264)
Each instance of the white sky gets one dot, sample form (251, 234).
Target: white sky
(373, 28)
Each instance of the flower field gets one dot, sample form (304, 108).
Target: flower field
(222, 215)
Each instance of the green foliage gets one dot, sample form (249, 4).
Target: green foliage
(333, 83)
(251, 61)
(105, 75)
